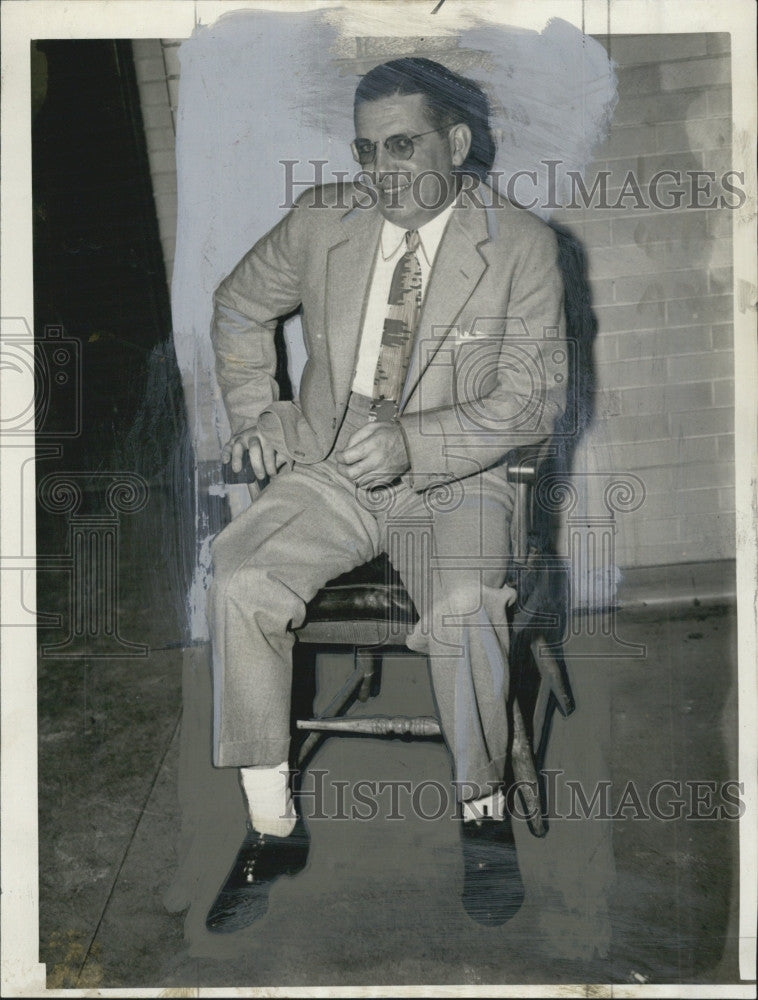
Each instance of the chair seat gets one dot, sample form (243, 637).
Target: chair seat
(370, 592)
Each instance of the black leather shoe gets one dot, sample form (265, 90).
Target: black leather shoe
(492, 888)
(260, 861)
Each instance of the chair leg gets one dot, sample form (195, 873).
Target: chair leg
(340, 703)
(553, 674)
(525, 773)
(540, 716)
(370, 662)
(362, 683)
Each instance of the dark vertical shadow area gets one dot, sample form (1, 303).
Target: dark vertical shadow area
(98, 264)
(553, 595)
(581, 330)
(115, 507)
(109, 397)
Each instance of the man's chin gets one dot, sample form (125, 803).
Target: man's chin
(407, 217)
(396, 199)
(400, 208)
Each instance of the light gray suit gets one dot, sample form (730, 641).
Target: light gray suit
(488, 374)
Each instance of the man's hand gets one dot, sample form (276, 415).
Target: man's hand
(263, 459)
(375, 455)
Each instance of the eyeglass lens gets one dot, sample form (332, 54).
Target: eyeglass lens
(399, 146)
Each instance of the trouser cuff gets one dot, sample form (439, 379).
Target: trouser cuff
(251, 753)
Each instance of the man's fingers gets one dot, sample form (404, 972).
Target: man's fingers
(253, 449)
(356, 452)
(362, 434)
(269, 459)
(373, 478)
(264, 460)
(236, 451)
(358, 470)
(356, 447)
(256, 459)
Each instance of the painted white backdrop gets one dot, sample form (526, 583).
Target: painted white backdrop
(260, 88)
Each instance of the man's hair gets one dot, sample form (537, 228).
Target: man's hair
(449, 99)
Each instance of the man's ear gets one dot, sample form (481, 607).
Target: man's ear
(460, 143)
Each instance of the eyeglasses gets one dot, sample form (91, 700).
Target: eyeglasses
(400, 147)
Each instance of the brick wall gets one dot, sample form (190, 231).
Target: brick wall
(156, 63)
(661, 282)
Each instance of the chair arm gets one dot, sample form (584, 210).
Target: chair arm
(522, 468)
(522, 465)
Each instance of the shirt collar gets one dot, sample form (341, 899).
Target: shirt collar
(430, 235)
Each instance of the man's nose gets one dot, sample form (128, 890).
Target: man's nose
(383, 161)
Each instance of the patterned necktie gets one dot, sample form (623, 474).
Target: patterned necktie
(403, 308)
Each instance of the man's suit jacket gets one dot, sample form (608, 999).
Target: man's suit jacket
(489, 367)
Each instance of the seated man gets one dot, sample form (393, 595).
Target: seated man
(425, 301)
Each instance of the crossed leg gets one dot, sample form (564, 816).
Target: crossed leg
(303, 530)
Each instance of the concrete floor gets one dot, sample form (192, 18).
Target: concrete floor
(135, 824)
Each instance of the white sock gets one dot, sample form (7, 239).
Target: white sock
(269, 802)
(488, 807)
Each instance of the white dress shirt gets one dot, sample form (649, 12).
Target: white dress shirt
(391, 248)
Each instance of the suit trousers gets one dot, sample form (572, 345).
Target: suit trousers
(450, 546)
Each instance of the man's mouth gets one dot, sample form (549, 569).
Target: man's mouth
(394, 186)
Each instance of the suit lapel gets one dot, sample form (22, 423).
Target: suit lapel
(457, 270)
(348, 272)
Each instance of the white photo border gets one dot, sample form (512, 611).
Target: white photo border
(27, 20)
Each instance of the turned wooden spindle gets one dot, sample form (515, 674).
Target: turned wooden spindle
(376, 725)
